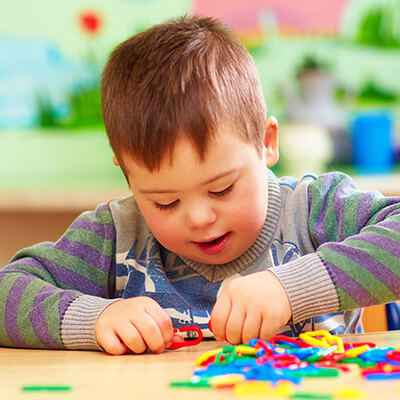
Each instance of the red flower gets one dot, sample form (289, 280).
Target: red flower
(90, 22)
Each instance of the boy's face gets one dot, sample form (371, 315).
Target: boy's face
(210, 211)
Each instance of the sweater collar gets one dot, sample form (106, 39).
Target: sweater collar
(219, 272)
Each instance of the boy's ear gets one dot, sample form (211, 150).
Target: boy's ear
(271, 149)
(115, 161)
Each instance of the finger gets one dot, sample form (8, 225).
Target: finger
(251, 326)
(219, 317)
(234, 325)
(163, 321)
(266, 332)
(131, 337)
(111, 343)
(151, 333)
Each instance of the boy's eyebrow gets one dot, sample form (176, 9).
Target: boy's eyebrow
(213, 179)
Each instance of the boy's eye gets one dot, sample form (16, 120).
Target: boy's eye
(168, 206)
(223, 192)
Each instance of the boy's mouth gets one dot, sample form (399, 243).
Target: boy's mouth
(214, 246)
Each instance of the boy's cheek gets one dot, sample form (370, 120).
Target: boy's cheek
(166, 233)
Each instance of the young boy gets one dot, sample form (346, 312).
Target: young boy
(209, 233)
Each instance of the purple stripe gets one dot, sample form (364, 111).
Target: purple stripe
(106, 231)
(73, 279)
(389, 209)
(65, 301)
(393, 225)
(385, 243)
(11, 311)
(379, 270)
(84, 252)
(360, 295)
(28, 262)
(364, 209)
(23, 262)
(61, 274)
(103, 207)
(38, 317)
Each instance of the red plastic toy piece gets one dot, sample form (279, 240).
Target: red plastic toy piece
(187, 341)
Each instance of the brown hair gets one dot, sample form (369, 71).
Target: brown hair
(188, 76)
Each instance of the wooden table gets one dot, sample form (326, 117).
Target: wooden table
(95, 375)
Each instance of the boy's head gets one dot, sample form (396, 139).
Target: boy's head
(189, 76)
(185, 116)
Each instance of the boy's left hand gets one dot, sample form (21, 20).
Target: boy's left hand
(252, 306)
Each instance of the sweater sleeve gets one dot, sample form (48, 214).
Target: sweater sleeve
(52, 293)
(357, 239)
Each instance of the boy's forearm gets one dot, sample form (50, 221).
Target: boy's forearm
(361, 271)
(357, 238)
(36, 314)
(43, 282)
(30, 310)
(366, 267)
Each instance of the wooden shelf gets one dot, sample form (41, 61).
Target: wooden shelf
(57, 201)
(389, 185)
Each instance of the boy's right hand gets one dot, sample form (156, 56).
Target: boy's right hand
(133, 325)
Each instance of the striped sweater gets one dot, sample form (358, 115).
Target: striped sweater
(335, 249)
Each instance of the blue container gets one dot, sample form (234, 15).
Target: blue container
(372, 142)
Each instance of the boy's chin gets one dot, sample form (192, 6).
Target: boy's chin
(212, 260)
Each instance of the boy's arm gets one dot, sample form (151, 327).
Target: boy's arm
(52, 293)
(356, 264)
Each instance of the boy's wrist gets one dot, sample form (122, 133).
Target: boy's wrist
(308, 286)
(79, 322)
(283, 298)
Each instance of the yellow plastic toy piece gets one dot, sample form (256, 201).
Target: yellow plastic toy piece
(356, 351)
(225, 380)
(322, 333)
(306, 338)
(243, 349)
(207, 355)
(338, 341)
(253, 388)
(322, 338)
(348, 393)
(285, 388)
(258, 388)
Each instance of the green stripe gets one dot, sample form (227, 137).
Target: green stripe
(91, 239)
(330, 220)
(41, 274)
(6, 285)
(100, 216)
(69, 262)
(377, 253)
(53, 322)
(378, 204)
(363, 277)
(25, 306)
(37, 272)
(350, 226)
(346, 302)
(385, 232)
(317, 190)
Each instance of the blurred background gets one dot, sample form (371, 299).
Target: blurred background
(330, 72)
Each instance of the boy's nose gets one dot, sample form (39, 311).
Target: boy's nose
(200, 216)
